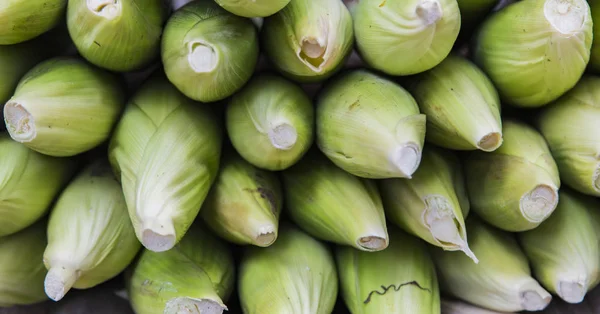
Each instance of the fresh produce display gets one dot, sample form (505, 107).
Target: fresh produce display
(299, 156)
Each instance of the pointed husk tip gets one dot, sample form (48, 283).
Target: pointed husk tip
(59, 280)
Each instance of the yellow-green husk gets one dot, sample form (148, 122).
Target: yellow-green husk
(253, 8)
(25, 20)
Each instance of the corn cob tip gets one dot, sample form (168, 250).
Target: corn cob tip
(202, 57)
(193, 306)
(59, 280)
(536, 299)
(19, 122)
(407, 159)
(539, 202)
(490, 142)
(373, 243)
(571, 291)
(283, 136)
(430, 11)
(567, 17)
(106, 8)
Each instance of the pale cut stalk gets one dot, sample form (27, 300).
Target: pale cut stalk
(196, 277)
(514, 188)
(271, 122)
(26, 20)
(307, 40)
(372, 282)
(526, 45)
(90, 237)
(564, 250)
(244, 204)
(386, 29)
(459, 99)
(391, 145)
(501, 281)
(453, 306)
(253, 8)
(570, 127)
(296, 274)
(433, 204)
(333, 205)
(161, 136)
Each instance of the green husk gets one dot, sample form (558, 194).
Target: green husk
(121, 35)
(333, 205)
(25, 20)
(64, 107)
(526, 46)
(244, 204)
(21, 268)
(461, 104)
(501, 281)
(296, 274)
(433, 204)
(253, 8)
(271, 122)
(15, 61)
(165, 152)
(564, 250)
(403, 37)
(514, 188)
(90, 237)
(196, 277)
(309, 40)
(570, 126)
(399, 279)
(370, 126)
(207, 52)
(29, 182)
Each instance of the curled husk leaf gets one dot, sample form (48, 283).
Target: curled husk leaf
(90, 237)
(333, 205)
(501, 281)
(309, 40)
(25, 20)
(207, 52)
(253, 8)
(119, 35)
(29, 182)
(21, 268)
(64, 107)
(526, 46)
(271, 122)
(296, 274)
(15, 61)
(196, 277)
(433, 204)
(373, 282)
(564, 250)
(570, 126)
(165, 152)
(403, 37)
(461, 105)
(514, 188)
(244, 203)
(370, 126)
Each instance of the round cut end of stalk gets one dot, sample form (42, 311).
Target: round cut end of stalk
(283, 136)
(531, 300)
(59, 280)
(312, 53)
(266, 236)
(193, 306)
(19, 122)
(429, 11)
(571, 292)
(539, 203)
(407, 159)
(490, 142)
(372, 243)
(105, 8)
(157, 242)
(202, 57)
(596, 178)
(566, 16)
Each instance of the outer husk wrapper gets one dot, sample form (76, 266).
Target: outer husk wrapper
(15, 61)
(244, 204)
(254, 115)
(564, 250)
(253, 8)
(207, 52)
(64, 107)
(515, 187)
(386, 30)
(524, 54)
(309, 40)
(333, 205)
(501, 281)
(21, 268)
(165, 152)
(90, 236)
(297, 274)
(437, 191)
(120, 36)
(594, 63)
(399, 279)
(452, 306)
(364, 120)
(198, 272)
(461, 104)
(25, 20)
(29, 182)
(571, 128)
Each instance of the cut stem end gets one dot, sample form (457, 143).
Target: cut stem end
(202, 58)
(571, 292)
(531, 300)
(19, 122)
(430, 11)
(59, 280)
(265, 239)
(539, 203)
(105, 8)
(407, 159)
(566, 16)
(312, 53)
(490, 142)
(193, 306)
(283, 136)
(373, 243)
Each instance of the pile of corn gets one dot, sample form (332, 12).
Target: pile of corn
(291, 155)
